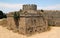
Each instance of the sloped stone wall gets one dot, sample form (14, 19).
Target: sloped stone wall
(34, 25)
(30, 21)
(11, 24)
(28, 25)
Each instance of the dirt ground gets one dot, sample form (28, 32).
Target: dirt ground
(53, 33)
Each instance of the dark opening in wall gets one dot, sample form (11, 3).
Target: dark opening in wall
(35, 30)
(34, 20)
(40, 29)
(30, 31)
(53, 25)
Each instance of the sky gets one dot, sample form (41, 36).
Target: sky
(15, 5)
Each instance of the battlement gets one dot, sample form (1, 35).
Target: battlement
(29, 7)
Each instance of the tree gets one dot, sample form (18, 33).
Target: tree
(42, 10)
(2, 15)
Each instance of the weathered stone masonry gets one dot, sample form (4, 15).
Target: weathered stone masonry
(30, 21)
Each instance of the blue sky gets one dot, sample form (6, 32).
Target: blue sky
(15, 5)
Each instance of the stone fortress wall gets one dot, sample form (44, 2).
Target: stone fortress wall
(30, 21)
(30, 7)
(53, 17)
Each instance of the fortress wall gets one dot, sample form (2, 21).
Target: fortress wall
(53, 17)
(11, 24)
(30, 7)
(28, 25)
(29, 22)
(57, 21)
(37, 24)
(22, 25)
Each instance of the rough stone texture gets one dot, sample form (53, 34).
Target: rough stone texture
(32, 24)
(30, 21)
(28, 24)
(53, 17)
(30, 7)
(35, 25)
(11, 24)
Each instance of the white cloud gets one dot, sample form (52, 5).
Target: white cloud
(5, 7)
(10, 7)
(52, 7)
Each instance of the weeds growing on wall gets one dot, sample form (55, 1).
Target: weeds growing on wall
(16, 19)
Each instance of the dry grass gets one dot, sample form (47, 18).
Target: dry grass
(3, 22)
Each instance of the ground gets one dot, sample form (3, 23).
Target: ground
(53, 33)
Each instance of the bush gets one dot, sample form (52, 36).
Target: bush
(42, 10)
(2, 15)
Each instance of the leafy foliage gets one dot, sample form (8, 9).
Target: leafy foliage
(16, 15)
(2, 15)
(16, 19)
(42, 10)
